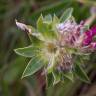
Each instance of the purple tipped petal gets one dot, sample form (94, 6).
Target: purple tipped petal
(23, 27)
(91, 32)
(89, 35)
(87, 40)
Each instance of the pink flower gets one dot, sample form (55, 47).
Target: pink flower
(89, 36)
(91, 32)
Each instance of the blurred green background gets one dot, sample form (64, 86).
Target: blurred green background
(12, 65)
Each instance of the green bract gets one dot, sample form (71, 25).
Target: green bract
(44, 50)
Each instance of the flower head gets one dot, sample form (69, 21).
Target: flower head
(57, 46)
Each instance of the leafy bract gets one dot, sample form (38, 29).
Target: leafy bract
(69, 75)
(81, 73)
(54, 24)
(29, 51)
(35, 64)
(51, 64)
(48, 19)
(56, 76)
(45, 28)
(66, 15)
(49, 80)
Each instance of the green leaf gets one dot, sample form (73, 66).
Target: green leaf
(40, 25)
(49, 80)
(51, 64)
(48, 19)
(56, 76)
(29, 51)
(69, 75)
(55, 22)
(35, 64)
(45, 29)
(81, 73)
(36, 41)
(66, 15)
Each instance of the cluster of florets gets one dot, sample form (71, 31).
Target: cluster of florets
(57, 42)
(75, 36)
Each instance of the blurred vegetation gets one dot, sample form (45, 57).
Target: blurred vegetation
(12, 66)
